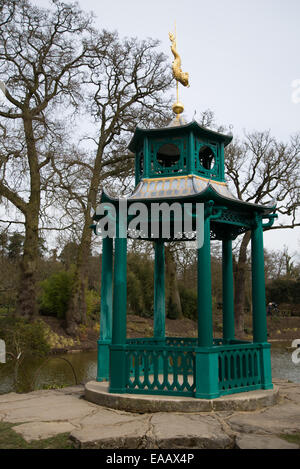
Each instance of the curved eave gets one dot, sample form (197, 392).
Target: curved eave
(188, 189)
(178, 130)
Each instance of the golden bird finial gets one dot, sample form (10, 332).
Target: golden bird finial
(178, 74)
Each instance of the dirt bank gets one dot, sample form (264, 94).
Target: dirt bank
(279, 328)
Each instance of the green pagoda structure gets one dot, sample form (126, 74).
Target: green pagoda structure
(183, 164)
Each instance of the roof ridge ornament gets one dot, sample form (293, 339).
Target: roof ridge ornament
(178, 74)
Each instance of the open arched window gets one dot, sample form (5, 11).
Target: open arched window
(206, 157)
(141, 164)
(168, 155)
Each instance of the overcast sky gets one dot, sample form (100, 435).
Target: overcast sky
(243, 58)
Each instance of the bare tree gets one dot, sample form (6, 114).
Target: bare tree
(260, 170)
(7, 10)
(42, 53)
(126, 87)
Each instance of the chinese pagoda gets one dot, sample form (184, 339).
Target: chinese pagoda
(183, 163)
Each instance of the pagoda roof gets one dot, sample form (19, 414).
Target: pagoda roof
(177, 130)
(190, 188)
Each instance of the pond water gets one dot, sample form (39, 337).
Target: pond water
(58, 369)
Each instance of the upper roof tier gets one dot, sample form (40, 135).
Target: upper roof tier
(180, 149)
(177, 126)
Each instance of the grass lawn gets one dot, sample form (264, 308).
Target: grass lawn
(9, 439)
(291, 438)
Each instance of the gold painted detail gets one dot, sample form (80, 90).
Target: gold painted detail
(178, 74)
(185, 177)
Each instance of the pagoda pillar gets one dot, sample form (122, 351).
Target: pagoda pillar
(106, 310)
(258, 284)
(259, 302)
(159, 290)
(117, 349)
(227, 291)
(205, 332)
(206, 355)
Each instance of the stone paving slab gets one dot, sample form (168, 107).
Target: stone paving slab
(129, 434)
(282, 418)
(43, 414)
(263, 442)
(160, 430)
(290, 391)
(41, 430)
(189, 431)
(50, 407)
(16, 397)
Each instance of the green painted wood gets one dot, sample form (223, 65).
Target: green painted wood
(239, 367)
(191, 154)
(177, 168)
(228, 297)
(207, 375)
(120, 292)
(146, 158)
(146, 373)
(213, 371)
(106, 289)
(117, 349)
(159, 290)
(103, 360)
(106, 311)
(205, 332)
(222, 165)
(118, 369)
(258, 284)
(266, 366)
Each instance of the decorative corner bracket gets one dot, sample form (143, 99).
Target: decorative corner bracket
(271, 220)
(209, 209)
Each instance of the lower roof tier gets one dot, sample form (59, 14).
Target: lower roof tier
(235, 218)
(190, 188)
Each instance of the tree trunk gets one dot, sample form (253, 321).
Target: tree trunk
(77, 309)
(240, 285)
(173, 302)
(26, 297)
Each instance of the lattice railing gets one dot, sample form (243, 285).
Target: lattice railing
(159, 371)
(170, 341)
(239, 367)
(157, 367)
(181, 341)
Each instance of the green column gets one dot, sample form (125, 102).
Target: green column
(191, 156)
(259, 303)
(120, 292)
(205, 332)
(258, 284)
(159, 290)
(227, 281)
(206, 360)
(106, 289)
(106, 310)
(146, 158)
(117, 349)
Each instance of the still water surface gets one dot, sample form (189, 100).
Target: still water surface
(58, 372)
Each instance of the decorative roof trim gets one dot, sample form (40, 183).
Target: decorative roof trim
(139, 131)
(184, 177)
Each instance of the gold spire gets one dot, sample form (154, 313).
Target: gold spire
(178, 74)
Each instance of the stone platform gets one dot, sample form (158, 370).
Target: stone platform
(97, 392)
